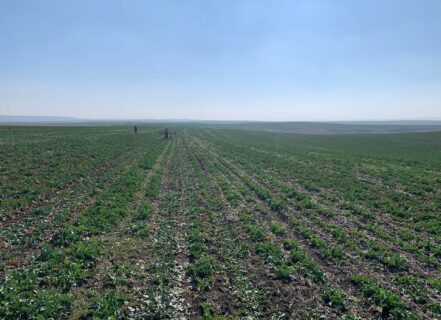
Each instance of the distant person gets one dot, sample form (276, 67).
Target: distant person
(135, 129)
(166, 133)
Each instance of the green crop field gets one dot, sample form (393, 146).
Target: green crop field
(218, 223)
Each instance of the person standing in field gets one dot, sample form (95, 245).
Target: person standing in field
(135, 129)
(166, 133)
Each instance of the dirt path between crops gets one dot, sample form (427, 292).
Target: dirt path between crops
(117, 247)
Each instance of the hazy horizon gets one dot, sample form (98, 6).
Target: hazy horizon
(231, 60)
(67, 119)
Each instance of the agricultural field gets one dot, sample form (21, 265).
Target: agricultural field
(218, 223)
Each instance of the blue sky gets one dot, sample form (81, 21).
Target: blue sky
(253, 60)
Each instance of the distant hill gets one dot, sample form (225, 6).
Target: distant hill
(336, 128)
(421, 122)
(39, 119)
(72, 120)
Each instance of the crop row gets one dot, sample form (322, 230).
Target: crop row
(41, 288)
(272, 253)
(334, 253)
(34, 170)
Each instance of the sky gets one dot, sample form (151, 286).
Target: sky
(221, 60)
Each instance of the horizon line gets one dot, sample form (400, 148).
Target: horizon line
(66, 118)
